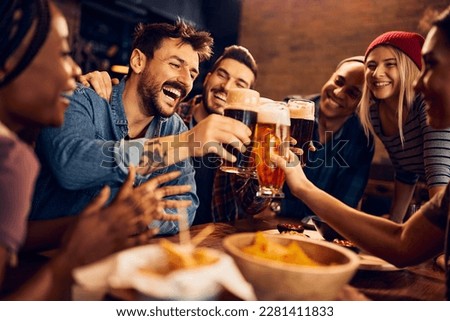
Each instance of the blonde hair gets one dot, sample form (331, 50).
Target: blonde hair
(408, 73)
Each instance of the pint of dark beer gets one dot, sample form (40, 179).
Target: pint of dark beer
(302, 123)
(271, 136)
(242, 105)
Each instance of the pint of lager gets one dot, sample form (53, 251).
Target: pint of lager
(242, 105)
(271, 136)
(302, 123)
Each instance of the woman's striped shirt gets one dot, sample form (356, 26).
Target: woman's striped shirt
(425, 151)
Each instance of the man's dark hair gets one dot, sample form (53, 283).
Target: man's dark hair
(148, 38)
(240, 54)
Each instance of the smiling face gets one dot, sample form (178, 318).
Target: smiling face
(434, 81)
(342, 92)
(168, 77)
(36, 95)
(382, 74)
(229, 74)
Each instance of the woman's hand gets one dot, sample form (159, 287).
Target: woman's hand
(295, 177)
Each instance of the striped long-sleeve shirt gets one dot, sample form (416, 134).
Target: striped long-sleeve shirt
(425, 151)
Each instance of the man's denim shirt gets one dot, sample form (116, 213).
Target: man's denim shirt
(89, 152)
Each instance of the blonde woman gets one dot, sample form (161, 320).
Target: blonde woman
(391, 110)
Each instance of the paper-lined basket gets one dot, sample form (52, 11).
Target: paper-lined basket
(124, 270)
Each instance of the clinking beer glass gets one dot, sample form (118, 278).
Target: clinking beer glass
(302, 123)
(242, 105)
(271, 137)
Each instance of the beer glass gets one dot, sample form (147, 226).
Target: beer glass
(302, 123)
(242, 105)
(271, 137)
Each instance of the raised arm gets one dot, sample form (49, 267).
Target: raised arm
(401, 244)
(206, 137)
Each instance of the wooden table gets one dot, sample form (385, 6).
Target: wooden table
(423, 282)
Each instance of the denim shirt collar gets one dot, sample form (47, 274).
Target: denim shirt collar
(120, 118)
(117, 108)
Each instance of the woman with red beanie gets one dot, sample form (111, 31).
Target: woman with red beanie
(426, 233)
(391, 110)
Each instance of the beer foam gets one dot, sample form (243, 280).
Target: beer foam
(302, 110)
(263, 100)
(274, 113)
(239, 97)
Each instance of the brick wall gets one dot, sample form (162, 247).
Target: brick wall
(297, 43)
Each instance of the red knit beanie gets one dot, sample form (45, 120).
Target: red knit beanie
(410, 43)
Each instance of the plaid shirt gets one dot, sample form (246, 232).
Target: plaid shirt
(184, 110)
(235, 197)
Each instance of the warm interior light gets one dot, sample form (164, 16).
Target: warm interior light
(120, 69)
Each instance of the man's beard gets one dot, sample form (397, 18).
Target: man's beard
(149, 91)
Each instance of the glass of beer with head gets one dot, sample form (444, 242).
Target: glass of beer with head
(242, 105)
(302, 124)
(272, 135)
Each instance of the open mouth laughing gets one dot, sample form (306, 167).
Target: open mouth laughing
(220, 95)
(171, 92)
